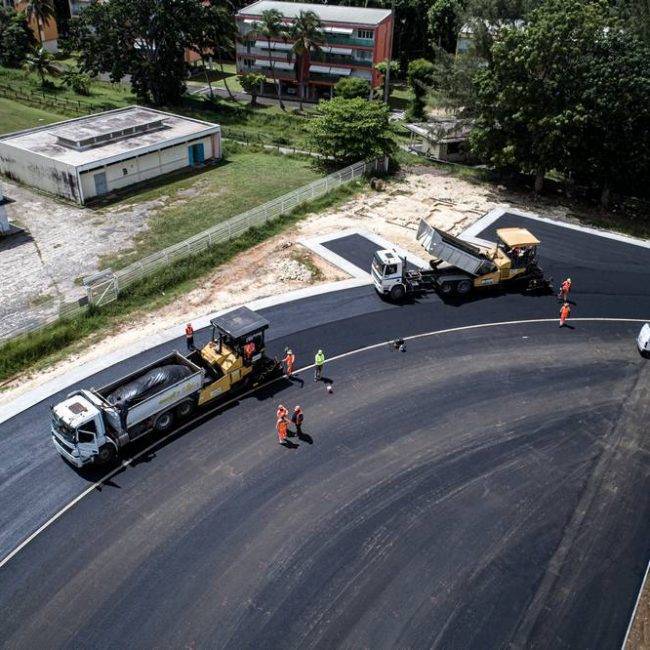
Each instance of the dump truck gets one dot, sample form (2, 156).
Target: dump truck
(95, 425)
(458, 267)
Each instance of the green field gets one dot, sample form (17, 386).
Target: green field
(15, 116)
(243, 180)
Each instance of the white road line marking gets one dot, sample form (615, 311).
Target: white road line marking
(205, 414)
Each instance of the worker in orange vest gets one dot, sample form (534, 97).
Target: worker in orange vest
(289, 360)
(189, 337)
(281, 427)
(564, 313)
(249, 351)
(565, 287)
(282, 412)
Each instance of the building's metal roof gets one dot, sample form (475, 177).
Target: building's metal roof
(108, 137)
(327, 13)
(240, 322)
(442, 129)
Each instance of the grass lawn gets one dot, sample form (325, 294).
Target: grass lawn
(102, 95)
(15, 116)
(243, 180)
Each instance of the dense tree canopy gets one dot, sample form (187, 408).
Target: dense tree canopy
(16, 38)
(569, 92)
(350, 130)
(145, 39)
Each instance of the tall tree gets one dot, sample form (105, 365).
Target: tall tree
(39, 11)
(307, 35)
(349, 130)
(271, 28)
(212, 33)
(445, 20)
(16, 38)
(145, 39)
(42, 63)
(419, 75)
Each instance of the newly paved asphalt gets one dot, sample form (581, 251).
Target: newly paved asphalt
(220, 537)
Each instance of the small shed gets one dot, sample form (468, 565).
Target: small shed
(443, 139)
(87, 157)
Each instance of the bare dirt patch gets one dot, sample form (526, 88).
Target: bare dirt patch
(281, 264)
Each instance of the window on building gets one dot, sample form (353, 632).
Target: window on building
(453, 147)
(125, 171)
(365, 33)
(363, 55)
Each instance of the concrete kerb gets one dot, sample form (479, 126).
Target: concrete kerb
(315, 244)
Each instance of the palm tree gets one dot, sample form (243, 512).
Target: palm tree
(271, 28)
(307, 36)
(40, 11)
(41, 62)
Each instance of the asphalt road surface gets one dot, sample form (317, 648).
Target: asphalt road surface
(480, 490)
(236, 454)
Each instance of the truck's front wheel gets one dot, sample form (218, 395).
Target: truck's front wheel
(397, 292)
(446, 288)
(107, 454)
(164, 422)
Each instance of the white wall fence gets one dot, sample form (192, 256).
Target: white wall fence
(105, 286)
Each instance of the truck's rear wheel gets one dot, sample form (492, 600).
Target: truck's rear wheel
(464, 287)
(446, 288)
(185, 408)
(397, 292)
(164, 422)
(107, 454)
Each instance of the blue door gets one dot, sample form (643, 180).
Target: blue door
(101, 187)
(196, 154)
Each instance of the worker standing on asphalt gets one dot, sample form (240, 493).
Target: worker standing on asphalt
(565, 287)
(282, 412)
(189, 337)
(565, 311)
(289, 360)
(319, 360)
(297, 417)
(281, 428)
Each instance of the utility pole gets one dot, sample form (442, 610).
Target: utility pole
(390, 55)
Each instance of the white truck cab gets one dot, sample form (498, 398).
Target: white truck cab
(643, 340)
(78, 428)
(388, 273)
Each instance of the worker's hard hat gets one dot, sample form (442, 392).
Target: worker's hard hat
(568, 279)
(297, 408)
(289, 351)
(320, 352)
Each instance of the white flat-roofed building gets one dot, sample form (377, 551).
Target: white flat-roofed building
(91, 156)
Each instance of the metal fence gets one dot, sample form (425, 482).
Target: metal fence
(105, 286)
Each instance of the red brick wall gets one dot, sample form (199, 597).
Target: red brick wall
(383, 47)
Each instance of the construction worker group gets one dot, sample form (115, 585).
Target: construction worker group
(282, 421)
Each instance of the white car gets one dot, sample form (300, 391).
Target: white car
(643, 340)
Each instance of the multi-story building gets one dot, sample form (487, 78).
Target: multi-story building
(47, 35)
(356, 38)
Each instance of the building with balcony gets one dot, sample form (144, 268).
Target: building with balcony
(356, 38)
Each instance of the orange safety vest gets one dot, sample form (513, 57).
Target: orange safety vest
(189, 331)
(281, 426)
(565, 311)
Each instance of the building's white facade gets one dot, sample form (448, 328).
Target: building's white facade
(91, 156)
